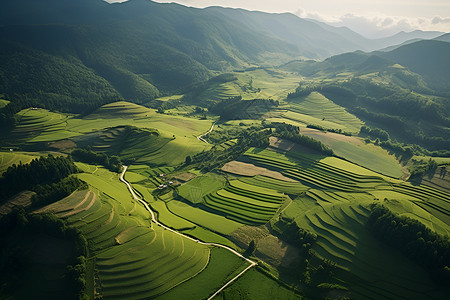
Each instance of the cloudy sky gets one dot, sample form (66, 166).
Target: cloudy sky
(375, 18)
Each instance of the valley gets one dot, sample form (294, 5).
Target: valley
(203, 159)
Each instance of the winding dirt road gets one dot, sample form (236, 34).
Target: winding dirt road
(154, 220)
(200, 137)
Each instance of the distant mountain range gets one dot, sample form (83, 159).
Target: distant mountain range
(89, 50)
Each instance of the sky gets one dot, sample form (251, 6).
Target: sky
(373, 19)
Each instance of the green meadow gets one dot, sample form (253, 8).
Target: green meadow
(134, 258)
(316, 109)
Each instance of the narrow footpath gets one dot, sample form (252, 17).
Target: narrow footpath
(154, 220)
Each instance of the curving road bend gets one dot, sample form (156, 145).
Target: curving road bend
(154, 220)
(200, 137)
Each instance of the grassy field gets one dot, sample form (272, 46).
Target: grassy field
(255, 285)
(318, 110)
(355, 150)
(38, 125)
(336, 206)
(134, 132)
(9, 158)
(134, 258)
(245, 203)
(3, 103)
(222, 267)
(197, 188)
(213, 222)
(256, 84)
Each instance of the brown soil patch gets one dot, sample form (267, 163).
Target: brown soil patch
(276, 252)
(22, 199)
(184, 177)
(282, 144)
(331, 135)
(247, 169)
(268, 247)
(63, 145)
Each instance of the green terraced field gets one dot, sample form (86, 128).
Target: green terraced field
(134, 132)
(37, 125)
(358, 152)
(316, 109)
(336, 207)
(245, 203)
(197, 188)
(134, 258)
(208, 220)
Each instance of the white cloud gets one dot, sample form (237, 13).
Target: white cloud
(375, 26)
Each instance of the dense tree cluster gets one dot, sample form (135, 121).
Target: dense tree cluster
(424, 246)
(235, 108)
(321, 128)
(214, 158)
(43, 170)
(407, 115)
(292, 133)
(49, 193)
(292, 233)
(15, 255)
(375, 133)
(112, 163)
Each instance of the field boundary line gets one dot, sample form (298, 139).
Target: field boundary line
(147, 207)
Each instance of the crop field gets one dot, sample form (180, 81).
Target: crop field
(9, 158)
(358, 152)
(325, 113)
(134, 258)
(256, 84)
(197, 188)
(335, 204)
(245, 203)
(132, 131)
(37, 125)
(291, 188)
(213, 222)
(339, 221)
(255, 285)
(222, 267)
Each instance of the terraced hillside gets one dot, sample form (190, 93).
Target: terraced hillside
(131, 131)
(134, 258)
(336, 207)
(246, 203)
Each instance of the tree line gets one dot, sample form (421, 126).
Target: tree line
(112, 163)
(418, 242)
(292, 133)
(43, 170)
(15, 254)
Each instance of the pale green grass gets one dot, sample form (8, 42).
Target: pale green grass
(41, 125)
(222, 267)
(7, 159)
(358, 152)
(318, 110)
(134, 258)
(197, 188)
(167, 98)
(166, 217)
(3, 103)
(256, 285)
(134, 177)
(203, 218)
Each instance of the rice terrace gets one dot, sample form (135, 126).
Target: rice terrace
(151, 150)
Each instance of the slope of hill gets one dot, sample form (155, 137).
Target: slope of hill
(428, 58)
